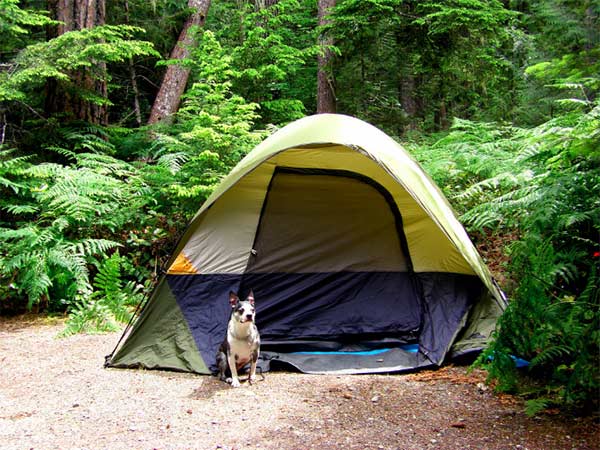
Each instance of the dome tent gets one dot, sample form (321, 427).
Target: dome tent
(355, 257)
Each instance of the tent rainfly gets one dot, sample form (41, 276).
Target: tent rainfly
(357, 262)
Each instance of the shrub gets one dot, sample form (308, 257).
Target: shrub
(542, 185)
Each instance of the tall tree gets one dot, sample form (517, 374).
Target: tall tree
(325, 81)
(176, 76)
(77, 15)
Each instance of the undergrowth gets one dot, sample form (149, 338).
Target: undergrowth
(542, 185)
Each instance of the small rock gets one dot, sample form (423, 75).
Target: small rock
(375, 398)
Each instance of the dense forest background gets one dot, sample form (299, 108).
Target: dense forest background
(117, 119)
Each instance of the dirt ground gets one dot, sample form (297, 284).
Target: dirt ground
(54, 394)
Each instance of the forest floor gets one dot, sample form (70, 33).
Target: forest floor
(55, 394)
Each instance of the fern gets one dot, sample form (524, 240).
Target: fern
(39, 260)
(20, 209)
(108, 306)
(537, 405)
(541, 185)
(62, 222)
(551, 355)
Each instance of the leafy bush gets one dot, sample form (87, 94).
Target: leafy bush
(59, 220)
(110, 304)
(65, 214)
(542, 185)
(213, 131)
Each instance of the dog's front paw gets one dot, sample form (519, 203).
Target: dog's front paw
(252, 379)
(235, 383)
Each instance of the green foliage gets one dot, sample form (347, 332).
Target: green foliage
(408, 64)
(273, 58)
(61, 219)
(542, 185)
(213, 131)
(15, 23)
(474, 163)
(42, 264)
(46, 259)
(69, 52)
(109, 305)
(537, 405)
(561, 49)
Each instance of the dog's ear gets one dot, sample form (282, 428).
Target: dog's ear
(233, 298)
(250, 297)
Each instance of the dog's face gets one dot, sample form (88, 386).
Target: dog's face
(243, 310)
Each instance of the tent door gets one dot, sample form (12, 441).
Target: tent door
(330, 263)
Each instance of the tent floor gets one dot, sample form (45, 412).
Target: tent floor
(333, 358)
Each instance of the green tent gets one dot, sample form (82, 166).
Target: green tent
(355, 257)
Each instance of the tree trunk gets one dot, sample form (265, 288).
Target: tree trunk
(408, 97)
(175, 79)
(264, 4)
(133, 78)
(326, 101)
(77, 15)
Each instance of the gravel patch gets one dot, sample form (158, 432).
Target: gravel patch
(55, 394)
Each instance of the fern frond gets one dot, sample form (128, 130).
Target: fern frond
(20, 209)
(108, 277)
(505, 180)
(577, 217)
(36, 282)
(551, 355)
(172, 161)
(44, 171)
(89, 247)
(9, 162)
(26, 233)
(104, 164)
(77, 207)
(67, 153)
(481, 218)
(74, 264)
(537, 405)
(14, 186)
(566, 271)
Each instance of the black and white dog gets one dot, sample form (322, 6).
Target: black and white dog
(242, 342)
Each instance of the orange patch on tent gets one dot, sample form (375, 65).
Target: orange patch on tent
(182, 265)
